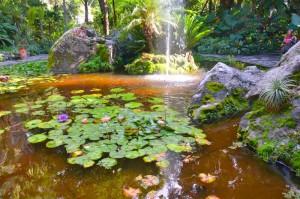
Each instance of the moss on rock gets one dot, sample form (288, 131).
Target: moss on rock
(214, 87)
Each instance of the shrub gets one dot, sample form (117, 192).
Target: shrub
(1, 58)
(277, 93)
(95, 64)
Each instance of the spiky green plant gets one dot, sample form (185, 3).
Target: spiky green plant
(277, 93)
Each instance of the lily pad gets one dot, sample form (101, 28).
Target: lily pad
(77, 91)
(37, 138)
(20, 105)
(133, 105)
(33, 124)
(54, 144)
(131, 192)
(163, 164)
(22, 110)
(155, 100)
(128, 97)
(117, 154)
(107, 163)
(85, 161)
(116, 90)
(3, 113)
(132, 154)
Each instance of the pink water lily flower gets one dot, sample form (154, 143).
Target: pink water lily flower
(84, 121)
(105, 119)
(63, 118)
(160, 122)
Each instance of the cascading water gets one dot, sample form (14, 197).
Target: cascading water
(173, 13)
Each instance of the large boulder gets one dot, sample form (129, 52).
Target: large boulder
(275, 136)
(75, 47)
(289, 65)
(221, 92)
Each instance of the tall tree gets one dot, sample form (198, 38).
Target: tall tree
(65, 15)
(105, 20)
(86, 10)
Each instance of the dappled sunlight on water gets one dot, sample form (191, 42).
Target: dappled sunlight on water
(35, 171)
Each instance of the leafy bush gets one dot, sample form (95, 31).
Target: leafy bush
(1, 58)
(277, 93)
(95, 64)
(28, 69)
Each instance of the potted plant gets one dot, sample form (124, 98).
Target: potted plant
(22, 47)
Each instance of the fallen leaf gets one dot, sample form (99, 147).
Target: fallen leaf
(212, 197)
(131, 192)
(139, 178)
(207, 178)
(150, 180)
(152, 195)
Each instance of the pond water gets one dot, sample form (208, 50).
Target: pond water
(34, 171)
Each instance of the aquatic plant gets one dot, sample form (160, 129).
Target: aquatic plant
(63, 118)
(96, 129)
(277, 93)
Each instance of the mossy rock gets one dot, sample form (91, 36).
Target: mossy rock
(214, 87)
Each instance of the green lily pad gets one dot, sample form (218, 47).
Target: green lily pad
(38, 113)
(132, 154)
(33, 124)
(54, 144)
(159, 108)
(107, 163)
(3, 113)
(55, 97)
(77, 91)
(85, 161)
(117, 154)
(133, 105)
(37, 138)
(95, 155)
(150, 158)
(116, 90)
(155, 100)
(176, 148)
(22, 110)
(20, 105)
(128, 97)
(163, 164)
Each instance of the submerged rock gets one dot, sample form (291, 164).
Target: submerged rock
(156, 64)
(221, 92)
(75, 47)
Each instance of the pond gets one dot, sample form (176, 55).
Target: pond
(34, 171)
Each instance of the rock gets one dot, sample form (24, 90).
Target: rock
(289, 65)
(154, 64)
(275, 136)
(73, 48)
(221, 92)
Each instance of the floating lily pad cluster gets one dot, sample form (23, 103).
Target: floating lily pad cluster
(96, 129)
(17, 83)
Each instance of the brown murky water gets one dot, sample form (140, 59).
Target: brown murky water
(33, 171)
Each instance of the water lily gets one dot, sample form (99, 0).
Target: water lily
(84, 121)
(160, 122)
(63, 118)
(105, 119)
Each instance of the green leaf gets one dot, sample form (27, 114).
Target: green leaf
(133, 105)
(37, 138)
(20, 105)
(117, 154)
(107, 163)
(53, 98)
(95, 155)
(1, 132)
(128, 97)
(116, 90)
(155, 100)
(176, 148)
(54, 143)
(159, 108)
(77, 91)
(85, 161)
(163, 164)
(3, 113)
(33, 124)
(38, 113)
(22, 110)
(150, 158)
(132, 154)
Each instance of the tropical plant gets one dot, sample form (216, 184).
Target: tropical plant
(147, 15)
(194, 30)
(277, 93)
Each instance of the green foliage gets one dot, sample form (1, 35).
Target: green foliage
(95, 64)
(293, 193)
(100, 131)
(265, 150)
(277, 93)
(214, 87)
(28, 69)
(194, 31)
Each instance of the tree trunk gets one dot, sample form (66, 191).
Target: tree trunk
(86, 11)
(65, 15)
(41, 29)
(115, 14)
(105, 20)
(148, 35)
(210, 6)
